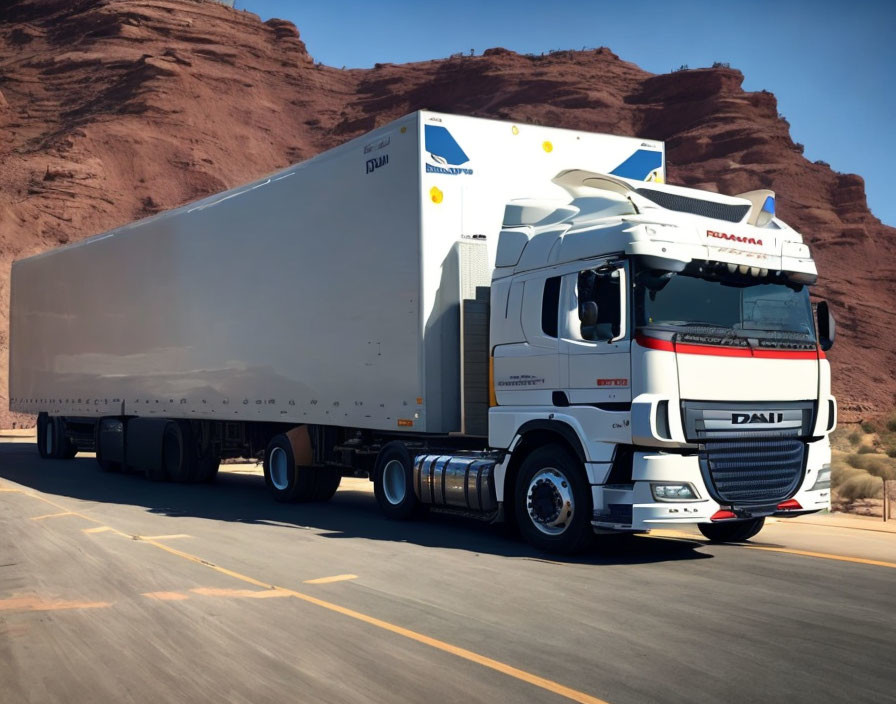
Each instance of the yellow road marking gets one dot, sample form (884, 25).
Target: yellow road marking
(241, 593)
(328, 580)
(166, 596)
(484, 661)
(543, 683)
(98, 529)
(33, 603)
(824, 555)
(52, 515)
(162, 537)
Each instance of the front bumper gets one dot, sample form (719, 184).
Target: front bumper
(632, 507)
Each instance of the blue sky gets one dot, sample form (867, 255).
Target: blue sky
(830, 64)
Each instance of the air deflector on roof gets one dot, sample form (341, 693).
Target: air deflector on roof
(695, 206)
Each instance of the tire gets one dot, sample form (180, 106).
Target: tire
(104, 464)
(393, 483)
(178, 460)
(553, 503)
(326, 482)
(53, 443)
(42, 422)
(731, 532)
(208, 469)
(206, 459)
(287, 481)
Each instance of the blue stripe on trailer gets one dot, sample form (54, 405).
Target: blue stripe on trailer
(639, 165)
(439, 142)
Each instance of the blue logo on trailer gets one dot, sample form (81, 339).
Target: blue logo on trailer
(639, 165)
(444, 151)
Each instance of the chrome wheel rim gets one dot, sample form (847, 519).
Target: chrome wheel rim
(394, 485)
(549, 501)
(279, 468)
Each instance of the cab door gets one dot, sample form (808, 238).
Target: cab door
(595, 336)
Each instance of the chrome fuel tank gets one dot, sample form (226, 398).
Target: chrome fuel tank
(459, 482)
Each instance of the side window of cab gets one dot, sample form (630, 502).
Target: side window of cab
(600, 304)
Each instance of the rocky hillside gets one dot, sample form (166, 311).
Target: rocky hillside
(111, 110)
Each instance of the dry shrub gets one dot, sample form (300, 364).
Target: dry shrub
(865, 450)
(878, 465)
(862, 486)
(842, 473)
(891, 423)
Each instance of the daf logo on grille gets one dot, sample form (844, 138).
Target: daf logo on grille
(744, 418)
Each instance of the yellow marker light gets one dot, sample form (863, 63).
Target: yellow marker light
(548, 147)
(436, 195)
(515, 129)
(403, 130)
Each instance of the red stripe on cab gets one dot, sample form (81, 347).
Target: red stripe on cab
(653, 343)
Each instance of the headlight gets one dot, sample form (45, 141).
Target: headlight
(674, 492)
(822, 479)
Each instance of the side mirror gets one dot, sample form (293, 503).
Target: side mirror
(588, 313)
(827, 329)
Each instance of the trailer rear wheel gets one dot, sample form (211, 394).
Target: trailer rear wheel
(286, 480)
(731, 532)
(109, 439)
(393, 482)
(326, 482)
(553, 501)
(52, 441)
(178, 460)
(44, 446)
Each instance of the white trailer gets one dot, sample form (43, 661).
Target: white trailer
(367, 309)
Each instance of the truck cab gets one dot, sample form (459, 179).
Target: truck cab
(663, 339)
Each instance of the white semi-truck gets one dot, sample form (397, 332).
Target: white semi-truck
(502, 320)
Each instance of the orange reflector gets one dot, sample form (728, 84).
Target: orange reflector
(405, 423)
(722, 515)
(789, 505)
(419, 400)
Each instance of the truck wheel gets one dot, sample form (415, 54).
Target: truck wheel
(178, 461)
(286, 480)
(326, 482)
(43, 448)
(205, 456)
(208, 468)
(393, 483)
(734, 532)
(553, 501)
(107, 465)
(53, 443)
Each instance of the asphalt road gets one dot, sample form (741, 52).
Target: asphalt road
(115, 589)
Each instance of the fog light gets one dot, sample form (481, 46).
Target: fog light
(674, 492)
(789, 505)
(823, 479)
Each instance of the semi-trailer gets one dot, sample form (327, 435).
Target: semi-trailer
(509, 321)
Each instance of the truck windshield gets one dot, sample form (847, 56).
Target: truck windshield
(701, 298)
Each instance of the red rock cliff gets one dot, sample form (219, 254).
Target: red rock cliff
(111, 110)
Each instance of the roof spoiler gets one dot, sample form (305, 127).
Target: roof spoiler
(578, 183)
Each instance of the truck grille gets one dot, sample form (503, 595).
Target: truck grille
(754, 470)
